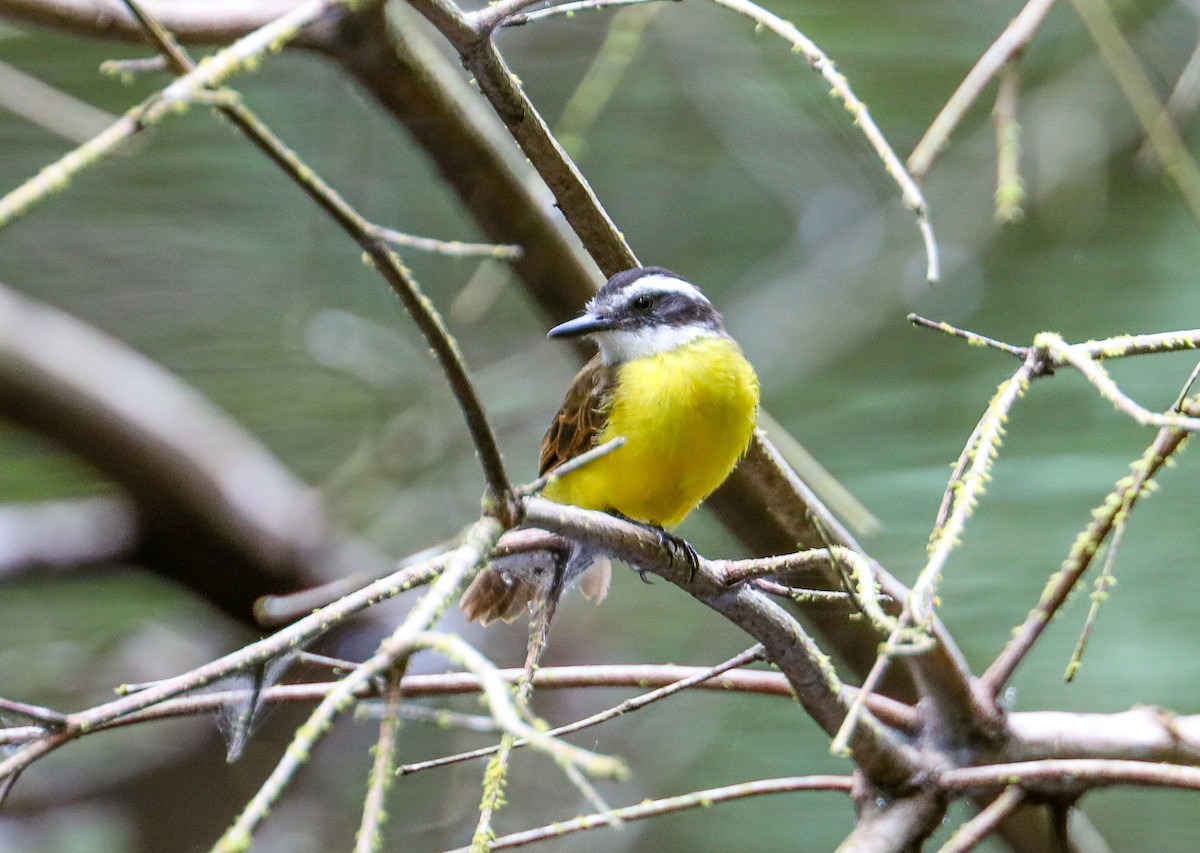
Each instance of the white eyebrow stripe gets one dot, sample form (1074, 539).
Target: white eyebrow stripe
(658, 283)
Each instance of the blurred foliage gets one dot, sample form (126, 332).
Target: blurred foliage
(721, 157)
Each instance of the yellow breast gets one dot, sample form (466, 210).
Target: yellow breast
(687, 416)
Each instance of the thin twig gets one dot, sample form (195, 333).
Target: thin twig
(1072, 774)
(1105, 580)
(443, 718)
(815, 597)
(572, 464)
(967, 836)
(568, 9)
(667, 805)
(48, 718)
(751, 654)
(495, 777)
(970, 486)
(1095, 373)
(449, 248)
(370, 828)
(1010, 189)
(575, 197)
(1015, 36)
(129, 68)
(753, 682)
(840, 89)
(487, 19)
(973, 338)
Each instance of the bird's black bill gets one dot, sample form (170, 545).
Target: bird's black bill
(584, 325)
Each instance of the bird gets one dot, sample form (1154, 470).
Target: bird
(670, 380)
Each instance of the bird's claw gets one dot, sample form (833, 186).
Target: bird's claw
(678, 547)
(675, 546)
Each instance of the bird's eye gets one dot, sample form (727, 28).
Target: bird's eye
(643, 303)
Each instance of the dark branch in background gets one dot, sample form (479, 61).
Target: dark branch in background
(64, 534)
(183, 463)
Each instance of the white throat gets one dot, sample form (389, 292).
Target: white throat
(617, 347)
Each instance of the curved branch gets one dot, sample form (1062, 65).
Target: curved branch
(207, 493)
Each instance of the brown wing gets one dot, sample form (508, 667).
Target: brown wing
(582, 416)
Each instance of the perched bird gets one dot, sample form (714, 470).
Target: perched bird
(675, 385)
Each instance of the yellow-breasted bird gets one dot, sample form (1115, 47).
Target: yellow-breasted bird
(674, 384)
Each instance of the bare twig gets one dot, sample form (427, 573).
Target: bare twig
(652, 808)
(1010, 189)
(567, 9)
(495, 778)
(967, 836)
(969, 487)
(970, 337)
(840, 88)
(1071, 775)
(1015, 36)
(704, 674)
(575, 197)
(1105, 580)
(49, 719)
(449, 248)
(575, 462)
(370, 828)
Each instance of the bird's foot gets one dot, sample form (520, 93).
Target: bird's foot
(676, 547)
(679, 548)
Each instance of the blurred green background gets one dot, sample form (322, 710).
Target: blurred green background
(719, 156)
